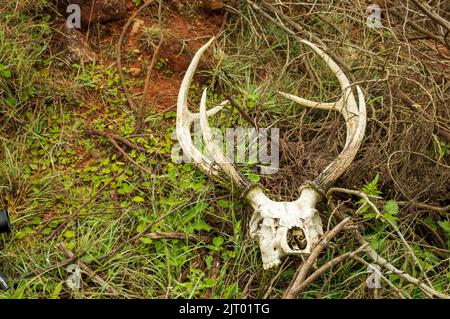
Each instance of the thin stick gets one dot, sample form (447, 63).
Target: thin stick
(118, 138)
(390, 222)
(304, 32)
(308, 281)
(125, 154)
(242, 111)
(414, 25)
(119, 53)
(402, 294)
(303, 271)
(294, 24)
(142, 233)
(275, 278)
(96, 278)
(77, 211)
(377, 259)
(443, 132)
(40, 272)
(140, 111)
(246, 290)
(439, 209)
(327, 282)
(433, 15)
(181, 236)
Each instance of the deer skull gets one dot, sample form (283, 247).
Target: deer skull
(282, 227)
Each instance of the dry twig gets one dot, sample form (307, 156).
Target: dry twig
(300, 276)
(78, 210)
(142, 232)
(433, 15)
(180, 236)
(96, 278)
(308, 281)
(377, 259)
(379, 215)
(118, 138)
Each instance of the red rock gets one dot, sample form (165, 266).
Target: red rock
(93, 11)
(213, 5)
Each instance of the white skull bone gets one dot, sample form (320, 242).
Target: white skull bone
(275, 223)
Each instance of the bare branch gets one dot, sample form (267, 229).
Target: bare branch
(291, 292)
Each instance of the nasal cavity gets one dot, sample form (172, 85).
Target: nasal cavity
(296, 238)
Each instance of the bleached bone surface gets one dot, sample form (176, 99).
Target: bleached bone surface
(273, 222)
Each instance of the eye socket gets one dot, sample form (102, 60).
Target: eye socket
(296, 238)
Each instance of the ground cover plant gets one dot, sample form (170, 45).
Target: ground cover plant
(87, 143)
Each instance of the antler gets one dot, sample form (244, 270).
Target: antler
(282, 227)
(355, 120)
(220, 168)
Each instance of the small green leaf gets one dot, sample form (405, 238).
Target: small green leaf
(377, 244)
(69, 234)
(6, 73)
(390, 218)
(223, 203)
(209, 261)
(195, 211)
(209, 283)
(11, 101)
(254, 178)
(70, 245)
(57, 290)
(445, 226)
(370, 215)
(237, 228)
(146, 240)
(141, 158)
(393, 278)
(372, 187)
(231, 291)
(138, 199)
(198, 225)
(430, 222)
(391, 207)
(125, 189)
(140, 227)
(218, 241)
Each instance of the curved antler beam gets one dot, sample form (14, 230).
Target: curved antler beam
(355, 120)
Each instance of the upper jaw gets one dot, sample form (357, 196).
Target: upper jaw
(273, 221)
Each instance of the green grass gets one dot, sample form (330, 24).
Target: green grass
(50, 166)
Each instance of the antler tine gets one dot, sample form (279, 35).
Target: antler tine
(214, 150)
(220, 167)
(185, 118)
(355, 119)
